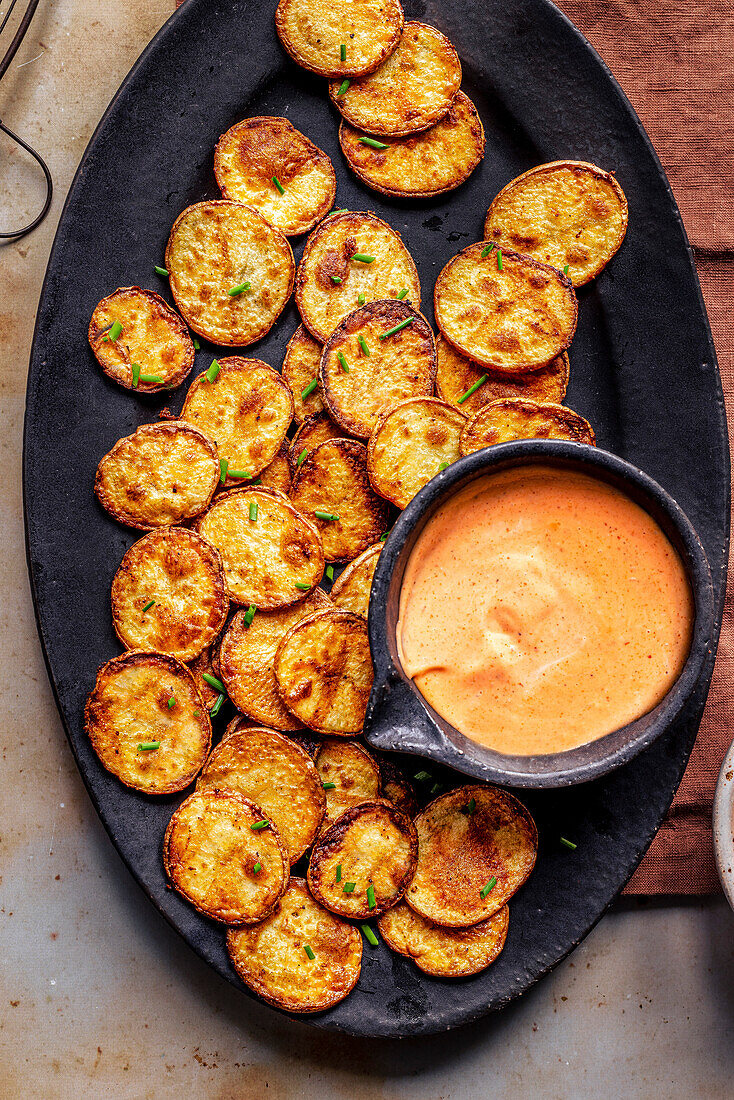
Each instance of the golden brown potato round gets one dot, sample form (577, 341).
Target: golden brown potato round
(568, 213)
(323, 670)
(267, 547)
(217, 246)
(300, 369)
(129, 708)
(410, 91)
(372, 849)
(316, 428)
(420, 165)
(350, 776)
(152, 336)
(411, 444)
(278, 776)
(444, 952)
(247, 654)
(255, 152)
(210, 852)
(271, 957)
(339, 37)
(207, 662)
(332, 481)
(351, 592)
(466, 839)
(330, 282)
(456, 375)
(515, 418)
(159, 476)
(178, 577)
(246, 411)
(398, 788)
(381, 370)
(277, 474)
(516, 317)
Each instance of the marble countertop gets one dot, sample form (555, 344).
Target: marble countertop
(98, 996)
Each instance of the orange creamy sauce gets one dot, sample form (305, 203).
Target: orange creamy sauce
(542, 609)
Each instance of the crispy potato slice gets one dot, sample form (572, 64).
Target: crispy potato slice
(353, 772)
(210, 852)
(153, 336)
(514, 318)
(339, 37)
(411, 444)
(332, 479)
(444, 952)
(421, 165)
(456, 375)
(216, 246)
(316, 428)
(372, 845)
(247, 654)
(206, 662)
(515, 418)
(266, 550)
(129, 706)
(568, 213)
(278, 776)
(256, 151)
(461, 849)
(277, 475)
(246, 411)
(271, 956)
(381, 370)
(323, 670)
(182, 576)
(410, 91)
(398, 788)
(351, 592)
(300, 369)
(329, 282)
(158, 476)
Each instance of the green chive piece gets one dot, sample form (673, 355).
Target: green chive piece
(397, 328)
(257, 481)
(115, 331)
(565, 270)
(490, 886)
(239, 289)
(258, 825)
(363, 345)
(223, 467)
(472, 806)
(217, 706)
(301, 456)
(253, 511)
(349, 887)
(309, 389)
(369, 935)
(326, 515)
(257, 868)
(402, 293)
(436, 788)
(343, 87)
(212, 681)
(422, 777)
(499, 259)
(150, 603)
(371, 903)
(172, 702)
(329, 787)
(363, 257)
(342, 360)
(442, 466)
(341, 210)
(343, 51)
(242, 475)
(249, 615)
(160, 270)
(136, 375)
(373, 143)
(335, 278)
(361, 299)
(276, 183)
(309, 951)
(486, 251)
(152, 378)
(148, 746)
(568, 844)
(213, 371)
(196, 713)
(330, 572)
(303, 587)
(338, 872)
(472, 389)
(197, 345)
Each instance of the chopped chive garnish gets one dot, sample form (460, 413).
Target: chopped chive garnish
(342, 360)
(471, 806)
(384, 536)
(338, 872)
(490, 886)
(335, 278)
(276, 183)
(341, 210)
(148, 746)
(257, 868)
(303, 587)
(330, 572)
(253, 511)
(309, 951)
(136, 375)
(565, 270)
(343, 87)
(373, 143)
(197, 345)
(349, 887)
(397, 328)
(329, 787)
(326, 515)
(152, 378)
(472, 389)
(241, 475)
(115, 330)
(422, 777)
(212, 681)
(436, 788)
(249, 615)
(217, 706)
(160, 270)
(301, 456)
(369, 935)
(486, 251)
(442, 466)
(402, 293)
(172, 702)
(239, 289)
(150, 603)
(499, 259)
(213, 370)
(257, 481)
(371, 903)
(363, 257)
(196, 713)
(343, 51)
(223, 467)
(361, 299)
(363, 345)
(309, 389)
(568, 844)
(257, 825)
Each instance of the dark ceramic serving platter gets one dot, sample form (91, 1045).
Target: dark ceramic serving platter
(643, 372)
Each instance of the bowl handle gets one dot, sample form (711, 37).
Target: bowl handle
(397, 722)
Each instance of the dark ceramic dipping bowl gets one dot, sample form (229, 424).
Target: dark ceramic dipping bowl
(399, 719)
